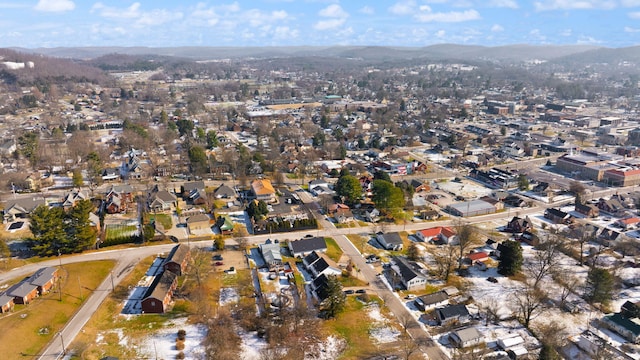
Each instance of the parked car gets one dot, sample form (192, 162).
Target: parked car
(348, 292)
(361, 291)
(410, 296)
(492, 279)
(219, 263)
(217, 257)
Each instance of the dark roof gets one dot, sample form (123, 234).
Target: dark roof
(198, 218)
(586, 208)
(452, 311)
(308, 244)
(160, 286)
(557, 213)
(224, 191)
(311, 257)
(392, 238)
(178, 254)
(188, 186)
(434, 298)
(26, 204)
(320, 284)
(625, 323)
(42, 276)
(406, 270)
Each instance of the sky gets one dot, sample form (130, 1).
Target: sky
(168, 23)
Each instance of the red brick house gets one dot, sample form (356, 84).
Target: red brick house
(159, 294)
(23, 292)
(177, 260)
(6, 303)
(44, 279)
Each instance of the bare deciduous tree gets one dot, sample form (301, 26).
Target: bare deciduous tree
(445, 259)
(544, 260)
(527, 303)
(468, 235)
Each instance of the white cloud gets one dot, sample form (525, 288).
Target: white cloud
(329, 24)
(55, 5)
(511, 4)
(573, 5)
(440, 34)
(136, 16)
(588, 40)
(285, 33)
(333, 11)
(631, 30)
(453, 16)
(630, 3)
(336, 17)
(634, 15)
(497, 28)
(536, 34)
(367, 10)
(405, 7)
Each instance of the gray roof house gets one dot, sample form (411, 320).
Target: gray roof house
(161, 200)
(390, 241)
(21, 208)
(270, 251)
(452, 313)
(302, 247)
(408, 275)
(466, 337)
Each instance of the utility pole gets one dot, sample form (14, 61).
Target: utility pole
(64, 351)
(113, 288)
(80, 287)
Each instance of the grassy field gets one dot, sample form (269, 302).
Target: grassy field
(350, 326)
(333, 250)
(29, 328)
(163, 219)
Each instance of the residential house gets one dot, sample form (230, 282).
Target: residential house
(72, 198)
(225, 224)
(588, 210)
(519, 225)
(319, 263)
(320, 287)
(23, 292)
(44, 279)
(198, 222)
(110, 174)
(499, 205)
(113, 204)
(262, 190)
(225, 192)
(611, 206)
(630, 309)
(466, 337)
(431, 301)
(557, 216)
(162, 200)
(6, 303)
(159, 294)
(628, 328)
(514, 201)
(190, 187)
(21, 208)
(270, 251)
(407, 273)
(177, 260)
(304, 246)
(197, 197)
(452, 314)
(438, 235)
(341, 213)
(390, 241)
(628, 223)
(319, 187)
(370, 213)
(419, 186)
(476, 257)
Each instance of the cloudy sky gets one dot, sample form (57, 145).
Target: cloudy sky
(52, 23)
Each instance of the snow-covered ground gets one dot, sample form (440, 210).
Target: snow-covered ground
(465, 188)
(380, 330)
(162, 344)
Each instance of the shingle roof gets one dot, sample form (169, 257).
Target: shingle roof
(451, 311)
(308, 244)
(406, 270)
(262, 187)
(42, 276)
(434, 298)
(161, 285)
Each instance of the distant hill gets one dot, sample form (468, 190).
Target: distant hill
(38, 69)
(369, 53)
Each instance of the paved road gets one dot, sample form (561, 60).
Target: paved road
(128, 258)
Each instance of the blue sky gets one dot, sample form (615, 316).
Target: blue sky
(157, 23)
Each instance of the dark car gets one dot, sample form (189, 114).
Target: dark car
(361, 291)
(219, 263)
(348, 292)
(492, 279)
(217, 257)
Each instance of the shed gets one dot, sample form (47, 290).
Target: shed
(509, 342)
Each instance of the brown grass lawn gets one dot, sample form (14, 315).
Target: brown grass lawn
(353, 326)
(47, 314)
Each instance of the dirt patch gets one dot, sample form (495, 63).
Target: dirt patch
(230, 258)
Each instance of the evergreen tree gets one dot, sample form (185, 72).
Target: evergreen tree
(81, 234)
(600, 284)
(48, 229)
(335, 300)
(523, 182)
(77, 178)
(510, 258)
(212, 139)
